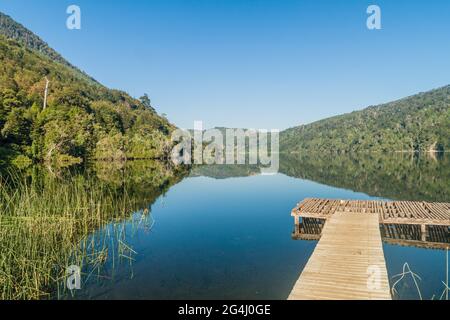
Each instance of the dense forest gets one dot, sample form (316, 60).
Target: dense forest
(81, 120)
(417, 123)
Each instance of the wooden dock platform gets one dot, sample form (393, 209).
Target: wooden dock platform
(348, 262)
(394, 212)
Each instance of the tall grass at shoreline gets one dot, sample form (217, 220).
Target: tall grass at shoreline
(46, 224)
(40, 231)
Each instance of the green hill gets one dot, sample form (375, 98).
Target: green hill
(417, 123)
(11, 29)
(82, 119)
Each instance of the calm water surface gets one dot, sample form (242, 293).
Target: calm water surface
(230, 238)
(223, 232)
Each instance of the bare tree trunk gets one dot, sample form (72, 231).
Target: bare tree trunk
(46, 92)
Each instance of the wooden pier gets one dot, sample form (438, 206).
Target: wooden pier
(348, 262)
(394, 212)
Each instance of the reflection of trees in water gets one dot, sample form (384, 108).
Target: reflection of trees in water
(46, 216)
(393, 176)
(142, 181)
(225, 171)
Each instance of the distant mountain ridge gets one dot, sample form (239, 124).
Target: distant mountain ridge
(419, 123)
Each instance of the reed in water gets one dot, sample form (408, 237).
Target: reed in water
(47, 222)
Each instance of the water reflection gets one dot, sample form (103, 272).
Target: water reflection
(400, 176)
(233, 239)
(391, 176)
(48, 216)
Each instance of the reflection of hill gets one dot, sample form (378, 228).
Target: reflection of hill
(394, 176)
(225, 171)
(48, 215)
(139, 182)
(142, 181)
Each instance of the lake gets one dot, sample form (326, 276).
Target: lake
(225, 232)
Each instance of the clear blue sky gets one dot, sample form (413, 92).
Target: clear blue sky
(249, 63)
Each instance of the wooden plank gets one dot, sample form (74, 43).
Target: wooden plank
(400, 212)
(338, 269)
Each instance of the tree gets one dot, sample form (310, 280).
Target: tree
(16, 128)
(80, 112)
(146, 102)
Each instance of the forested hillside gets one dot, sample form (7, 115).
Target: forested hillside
(417, 123)
(82, 118)
(14, 30)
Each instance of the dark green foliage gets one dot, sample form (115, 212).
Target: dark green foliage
(218, 171)
(146, 102)
(417, 123)
(396, 176)
(15, 129)
(82, 119)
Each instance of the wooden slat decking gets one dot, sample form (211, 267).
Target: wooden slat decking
(339, 268)
(350, 243)
(394, 212)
